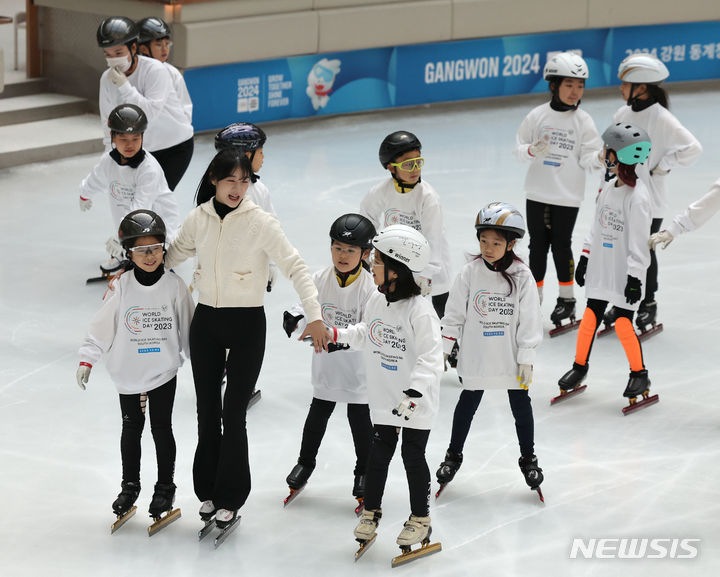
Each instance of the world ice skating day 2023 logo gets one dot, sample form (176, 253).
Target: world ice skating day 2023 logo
(332, 316)
(397, 216)
(121, 192)
(320, 81)
(137, 319)
(612, 225)
(494, 310)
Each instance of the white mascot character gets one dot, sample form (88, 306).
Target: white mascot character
(320, 81)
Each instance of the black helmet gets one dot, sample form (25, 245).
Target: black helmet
(116, 30)
(128, 119)
(396, 144)
(140, 223)
(353, 229)
(152, 28)
(241, 136)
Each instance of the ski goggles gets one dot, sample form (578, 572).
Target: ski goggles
(148, 249)
(410, 164)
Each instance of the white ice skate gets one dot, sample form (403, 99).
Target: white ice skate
(365, 531)
(416, 530)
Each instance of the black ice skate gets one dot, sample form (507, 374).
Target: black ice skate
(571, 383)
(254, 397)
(638, 385)
(359, 493)
(124, 506)
(448, 468)
(108, 271)
(416, 530)
(564, 309)
(609, 322)
(452, 357)
(533, 474)
(645, 320)
(162, 502)
(296, 480)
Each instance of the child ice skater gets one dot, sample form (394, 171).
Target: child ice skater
(402, 347)
(561, 143)
(615, 257)
(404, 198)
(343, 289)
(141, 330)
(131, 178)
(493, 314)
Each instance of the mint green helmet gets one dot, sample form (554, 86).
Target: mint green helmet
(630, 143)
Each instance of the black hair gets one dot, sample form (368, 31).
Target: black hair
(554, 83)
(405, 285)
(508, 258)
(223, 164)
(659, 95)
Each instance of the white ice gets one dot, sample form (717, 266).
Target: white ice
(651, 474)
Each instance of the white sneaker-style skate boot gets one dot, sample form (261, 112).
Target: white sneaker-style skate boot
(416, 530)
(369, 520)
(207, 510)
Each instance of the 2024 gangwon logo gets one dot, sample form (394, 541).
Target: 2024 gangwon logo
(133, 320)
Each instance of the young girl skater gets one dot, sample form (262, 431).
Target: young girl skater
(404, 198)
(135, 79)
(615, 258)
(402, 347)
(493, 314)
(561, 143)
(233, 240)
(672, 145)
(343, 290)
(131, 178)
(141, 330)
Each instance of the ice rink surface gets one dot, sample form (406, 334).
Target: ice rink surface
(652, 474)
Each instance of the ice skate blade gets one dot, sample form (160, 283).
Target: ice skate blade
(225, 531)
(254, 398)
(410, 555)
(361, 506)
(206, 530)
(364, 546)
(162, 522)
(645, 334)
(122, 519)
(562, 329)
(636, 405)
(440, 490)
(539, 492)
(293, 493)
(565, 395)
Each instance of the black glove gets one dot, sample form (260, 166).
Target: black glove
(290, 322)
(332, 347)
(580, 270)
(633, 289)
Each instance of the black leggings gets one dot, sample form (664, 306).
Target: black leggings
(521, 409)
(651, 278)
(221, 470)
(549, 226)
(133, 414)
(175, 160)
(439, 302)
(414, 441)
(316, 424)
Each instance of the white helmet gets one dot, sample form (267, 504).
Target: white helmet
(404, 244)
(502, 216)
(642, 69)
(566, 65)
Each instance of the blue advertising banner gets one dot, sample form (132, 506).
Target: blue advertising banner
(342, 82)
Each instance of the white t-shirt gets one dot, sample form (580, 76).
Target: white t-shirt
(181, 90)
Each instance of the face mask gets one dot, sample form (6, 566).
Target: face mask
(121, 62)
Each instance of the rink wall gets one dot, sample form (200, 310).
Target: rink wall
(253, 58)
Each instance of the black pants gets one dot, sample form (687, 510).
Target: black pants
(521, 409)
(651, 278)
(221, 471)
(316, 424)
(414, 441)
(439, 302)
(175, 160)
(133, 414)
(551, 226)
(598, 308)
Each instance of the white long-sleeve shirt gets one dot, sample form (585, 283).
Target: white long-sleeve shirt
(141, 330)
(495, 331)
(402, 348)
(617, 244)
(420, 209)
(131, 189)
(573, 148)
(260, 195)
(339, 376)
(671, 145)
(698, 213)
(181, 90)
(150, 87)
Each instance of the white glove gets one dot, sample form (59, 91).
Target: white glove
(83, 374)
(425, 285)
(407, 406)
(664, 236)
(272, 276)
(539, 148)
(114, 248)
(117, 76)
(525, 376)
(85, 203)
